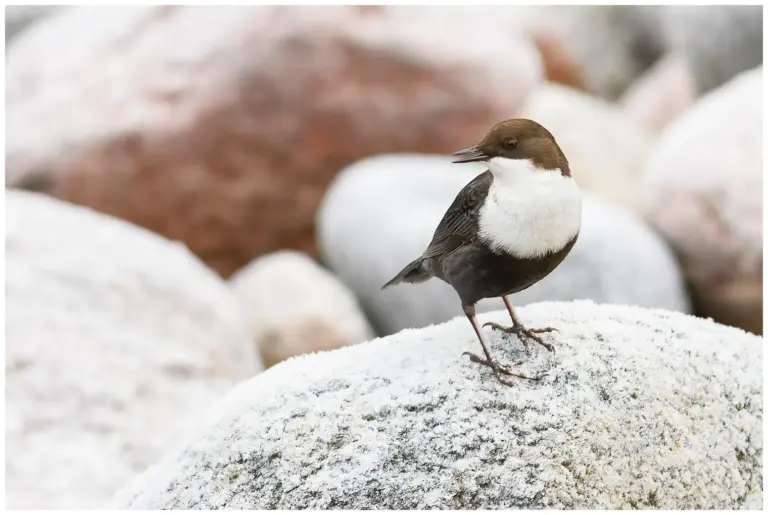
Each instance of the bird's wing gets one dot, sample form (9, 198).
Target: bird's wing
(459, 225)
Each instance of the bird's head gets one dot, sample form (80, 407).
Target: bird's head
(514, 142)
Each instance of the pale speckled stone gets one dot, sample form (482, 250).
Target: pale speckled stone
(294, 306)
(116, 340)
(640, 408)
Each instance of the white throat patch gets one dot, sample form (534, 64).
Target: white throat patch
(529, 212)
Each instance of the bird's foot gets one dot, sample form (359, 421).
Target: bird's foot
(499, 369)
(524, 334)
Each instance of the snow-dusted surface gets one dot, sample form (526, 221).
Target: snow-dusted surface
(380, 214)
(116, 340)
(295, 306)
(606, 149)
(703, 188)
(640, 408)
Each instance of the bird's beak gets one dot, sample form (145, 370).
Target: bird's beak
(470, 154)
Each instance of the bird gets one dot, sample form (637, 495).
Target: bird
(506, 230)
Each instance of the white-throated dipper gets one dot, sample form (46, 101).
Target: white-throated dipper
(507, 229)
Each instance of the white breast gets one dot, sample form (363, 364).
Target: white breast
(529, 212)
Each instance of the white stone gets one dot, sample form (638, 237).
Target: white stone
(116, 340)
(702, 189)
(640, 408)
(664, 92)
(294, 306)
(606, 149)
(381, 212)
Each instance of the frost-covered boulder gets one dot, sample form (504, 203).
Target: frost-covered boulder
(115, 341)
(294, 306)
(702, 190)
(381, 212)
(606, 148)
(640, 408)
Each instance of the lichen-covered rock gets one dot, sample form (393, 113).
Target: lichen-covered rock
(702, 190)
(115, 341)
(380, 214)
(222, 126)
(606, 149)
(639, 408)
(294, 306)
(664, 92)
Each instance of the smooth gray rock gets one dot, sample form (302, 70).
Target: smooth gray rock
(615, 44)
(19, 17)
(719, 41)
(380, 213)
(640, 409)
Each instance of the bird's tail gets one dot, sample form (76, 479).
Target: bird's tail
(414, 272)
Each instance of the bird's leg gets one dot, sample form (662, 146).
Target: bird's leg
(521, 331)
(497, 368)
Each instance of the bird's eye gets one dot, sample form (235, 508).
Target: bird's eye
(509, 144)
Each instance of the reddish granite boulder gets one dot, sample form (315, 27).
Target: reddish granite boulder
(222, 127)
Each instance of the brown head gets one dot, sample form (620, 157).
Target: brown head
(518, 139)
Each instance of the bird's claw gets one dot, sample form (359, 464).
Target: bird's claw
(524, 333)
(499, 369)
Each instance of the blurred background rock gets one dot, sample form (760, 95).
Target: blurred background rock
(300, 154)
(115, 337)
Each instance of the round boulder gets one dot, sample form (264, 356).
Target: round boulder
(606, 148)
(222, 127)
(294, 306)
(381, 212)
(702, 189)
(638, 409)
(664, 92)
(115, 340)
